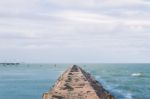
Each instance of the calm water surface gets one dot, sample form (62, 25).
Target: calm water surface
(29, 81)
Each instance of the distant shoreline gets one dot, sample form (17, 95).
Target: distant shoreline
(9, 63)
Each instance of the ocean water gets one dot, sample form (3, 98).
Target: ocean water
(30, 81)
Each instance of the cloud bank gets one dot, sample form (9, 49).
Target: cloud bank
(75, 30)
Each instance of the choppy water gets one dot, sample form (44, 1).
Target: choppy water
(29, 81)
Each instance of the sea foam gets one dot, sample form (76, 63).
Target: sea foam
(137, 74)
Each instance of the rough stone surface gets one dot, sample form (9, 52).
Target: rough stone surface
(75, 83)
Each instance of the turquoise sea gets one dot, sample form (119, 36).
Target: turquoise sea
(30, 81)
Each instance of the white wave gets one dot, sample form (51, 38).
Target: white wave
(137, 74)
(118, 93)
(97, 77)
(128, 96)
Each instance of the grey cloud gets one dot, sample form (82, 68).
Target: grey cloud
(96, 29)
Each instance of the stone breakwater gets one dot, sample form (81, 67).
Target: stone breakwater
(75, 83)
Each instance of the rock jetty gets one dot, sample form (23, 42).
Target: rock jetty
(75, 83)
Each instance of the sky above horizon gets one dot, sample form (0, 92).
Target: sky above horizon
(75, 31)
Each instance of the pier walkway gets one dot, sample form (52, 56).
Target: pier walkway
(75, 83)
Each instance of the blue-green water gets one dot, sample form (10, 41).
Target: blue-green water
(30, 81)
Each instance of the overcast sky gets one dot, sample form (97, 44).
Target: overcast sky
(75, 31)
